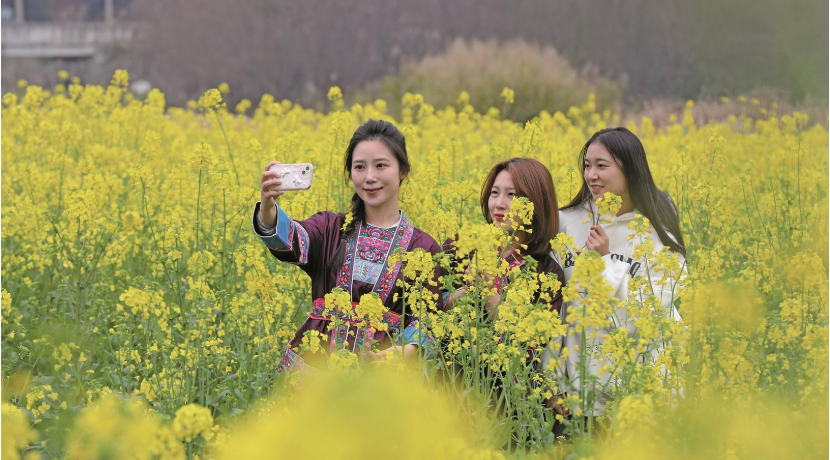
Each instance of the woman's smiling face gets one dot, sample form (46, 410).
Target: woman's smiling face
(602, 174)
(501, 196)
(375, 173)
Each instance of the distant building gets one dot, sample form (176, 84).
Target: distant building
(63, 29)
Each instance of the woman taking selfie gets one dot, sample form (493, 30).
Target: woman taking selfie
(350, 254)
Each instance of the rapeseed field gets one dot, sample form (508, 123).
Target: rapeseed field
(143, 318)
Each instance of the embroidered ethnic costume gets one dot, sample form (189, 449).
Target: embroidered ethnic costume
(311, 244)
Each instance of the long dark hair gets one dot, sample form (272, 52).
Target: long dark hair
(396, 142)
(630, 156)
(533, 181)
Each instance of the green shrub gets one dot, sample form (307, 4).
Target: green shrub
(541, 78)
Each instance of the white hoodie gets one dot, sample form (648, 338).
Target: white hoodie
(619, 269)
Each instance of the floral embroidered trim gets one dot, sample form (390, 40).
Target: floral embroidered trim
(389, 274)
(302, 239)
(292, 363)
(344, 280)
(320, 312)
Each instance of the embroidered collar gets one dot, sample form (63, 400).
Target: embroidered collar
(513, 259)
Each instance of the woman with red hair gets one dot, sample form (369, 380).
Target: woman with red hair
(513, 178)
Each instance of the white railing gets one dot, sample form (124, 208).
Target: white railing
(62, 39)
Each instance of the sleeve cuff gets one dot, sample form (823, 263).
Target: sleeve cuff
(414, 335)
(265, 230)
(278, 238)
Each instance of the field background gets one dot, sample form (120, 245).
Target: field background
(130, 268)
(142, 318)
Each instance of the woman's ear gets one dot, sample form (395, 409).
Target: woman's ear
(404, 176)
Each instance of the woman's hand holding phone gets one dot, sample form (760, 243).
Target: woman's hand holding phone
(269, 192)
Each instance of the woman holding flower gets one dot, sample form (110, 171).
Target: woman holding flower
(518, 178)
(620, 215)
(348, 256)
(519, 284)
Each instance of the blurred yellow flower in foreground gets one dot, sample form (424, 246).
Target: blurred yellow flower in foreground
(17, 432)
(383, 413)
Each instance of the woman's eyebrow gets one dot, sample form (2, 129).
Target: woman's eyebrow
(373, 160)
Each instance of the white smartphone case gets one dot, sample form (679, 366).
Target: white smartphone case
(296, 176)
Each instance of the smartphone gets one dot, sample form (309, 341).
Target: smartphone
(296, 176)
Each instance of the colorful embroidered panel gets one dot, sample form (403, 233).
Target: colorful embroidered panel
(373, 245)
(387, 275)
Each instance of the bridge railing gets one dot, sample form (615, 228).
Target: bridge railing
(62, 39)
